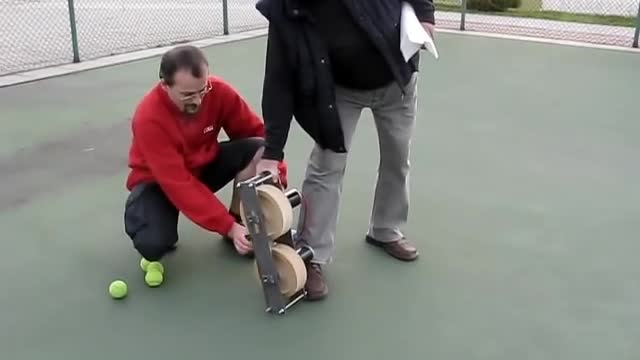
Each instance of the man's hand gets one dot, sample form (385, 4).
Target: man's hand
(429, 28)
(270, 166)
(238, 234)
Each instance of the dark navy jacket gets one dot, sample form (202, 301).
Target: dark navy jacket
(298, 82)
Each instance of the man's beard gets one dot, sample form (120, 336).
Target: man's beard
(191, 109)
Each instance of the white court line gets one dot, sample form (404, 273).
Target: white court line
(40, 74)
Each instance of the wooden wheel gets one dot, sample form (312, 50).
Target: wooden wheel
(276, 209)
(292, 272)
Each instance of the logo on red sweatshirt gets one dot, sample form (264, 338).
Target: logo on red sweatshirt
(208, 129)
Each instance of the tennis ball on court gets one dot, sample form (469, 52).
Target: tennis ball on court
(155, 266)
(153, 278)
(147, 265)
(143, 264)
(118, 289)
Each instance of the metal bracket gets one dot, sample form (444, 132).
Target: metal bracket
(275, 301)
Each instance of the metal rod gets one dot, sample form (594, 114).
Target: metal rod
(257, 180)
(262, 252)
(306, 253)
(294, 196)
(463, 14)
(637, 34)
(74, 31)
(225, 17)
(296, 300)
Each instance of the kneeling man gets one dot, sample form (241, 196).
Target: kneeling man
(177, 164)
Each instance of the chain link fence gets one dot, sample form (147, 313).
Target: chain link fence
(609, 22)
(243, 16)
(40, 33)
(107, 27)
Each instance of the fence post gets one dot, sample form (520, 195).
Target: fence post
(635, 38)
(74, 31)
(225, 17)
(463, 14)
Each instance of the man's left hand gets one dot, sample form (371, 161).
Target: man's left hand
(267, 165)
(429, 28)
(276, 168)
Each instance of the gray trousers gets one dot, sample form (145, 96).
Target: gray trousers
(394, 115)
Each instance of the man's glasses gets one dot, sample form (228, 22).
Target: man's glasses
(186, 96)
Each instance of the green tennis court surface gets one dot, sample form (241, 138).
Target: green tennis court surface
(525, 205)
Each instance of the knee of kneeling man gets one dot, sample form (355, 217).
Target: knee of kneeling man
(258, 142)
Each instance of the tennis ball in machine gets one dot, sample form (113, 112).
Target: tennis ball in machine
(118, 289)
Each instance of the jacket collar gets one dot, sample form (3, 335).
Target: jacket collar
(277, 9)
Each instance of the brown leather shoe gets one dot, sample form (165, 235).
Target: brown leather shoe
(316, 287)
(401, 249)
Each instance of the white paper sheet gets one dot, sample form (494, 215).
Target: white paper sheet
(413, 36)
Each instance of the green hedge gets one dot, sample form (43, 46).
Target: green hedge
(493, 5)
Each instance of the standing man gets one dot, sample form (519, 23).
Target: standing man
(326, 61)
(177, 164)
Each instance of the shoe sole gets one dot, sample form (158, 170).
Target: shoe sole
(316, 297)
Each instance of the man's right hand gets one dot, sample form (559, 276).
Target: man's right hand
(238, 234)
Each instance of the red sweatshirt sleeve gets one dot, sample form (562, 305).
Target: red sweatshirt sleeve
(239, 120)
(184, 190)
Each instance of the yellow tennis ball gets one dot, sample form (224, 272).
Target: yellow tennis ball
(153, 278)
(155, 266)
(118, 289)
(144, 263)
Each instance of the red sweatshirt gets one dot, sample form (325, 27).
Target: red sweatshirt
(171, 150)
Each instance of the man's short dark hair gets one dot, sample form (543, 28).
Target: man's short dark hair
(182, 57)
